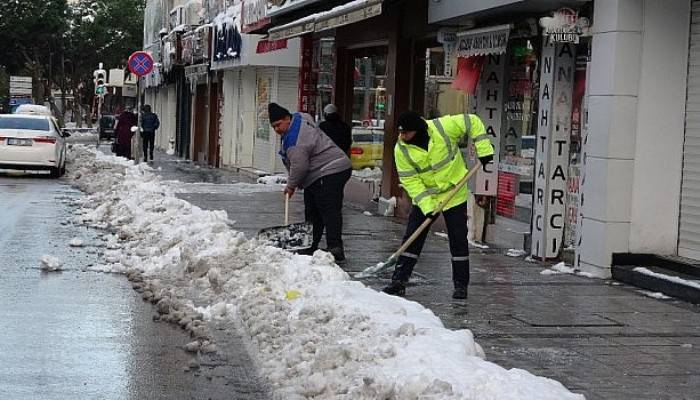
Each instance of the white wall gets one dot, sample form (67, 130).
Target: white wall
(635, 130)
(660, 127)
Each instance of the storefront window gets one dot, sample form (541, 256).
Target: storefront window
(368, 109)
(518, 129)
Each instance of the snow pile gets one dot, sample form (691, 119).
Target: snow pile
(273, 180)
(562, 268)
(50, 264)
(654, 295)
(76, 242)
(516, 253)
(317, 333)
(368, 173)
(670, 278)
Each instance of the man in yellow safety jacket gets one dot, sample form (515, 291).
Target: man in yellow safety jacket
(429, 165)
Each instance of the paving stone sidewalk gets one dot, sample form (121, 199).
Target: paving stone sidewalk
(597, 337)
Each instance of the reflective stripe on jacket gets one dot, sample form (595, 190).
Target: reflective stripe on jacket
(427, 176)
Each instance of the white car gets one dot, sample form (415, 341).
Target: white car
(32, 142)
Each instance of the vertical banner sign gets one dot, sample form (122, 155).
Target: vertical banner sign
(307, 83)
(448, 39)
(553, 137)
(490, 104)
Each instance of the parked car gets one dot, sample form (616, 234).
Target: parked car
(367, 147)
(33, 109)
(32, 142)
(108, 124)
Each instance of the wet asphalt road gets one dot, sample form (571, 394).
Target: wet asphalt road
(85, 335)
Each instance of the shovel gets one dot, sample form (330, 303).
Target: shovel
(383, 266)
(292, 237)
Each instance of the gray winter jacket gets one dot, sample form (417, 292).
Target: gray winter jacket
(309, 154)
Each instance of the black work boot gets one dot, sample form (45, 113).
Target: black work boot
(338, 253)
(308, 251)
(460, 293)
(395, 288)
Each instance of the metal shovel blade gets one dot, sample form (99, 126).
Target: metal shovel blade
(292, 237)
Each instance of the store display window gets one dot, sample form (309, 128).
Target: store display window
(369, 104)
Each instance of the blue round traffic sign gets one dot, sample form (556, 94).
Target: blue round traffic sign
(140, 63)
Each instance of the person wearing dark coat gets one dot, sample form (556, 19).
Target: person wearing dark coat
(334, 127)
(125, 121)
(149, 124)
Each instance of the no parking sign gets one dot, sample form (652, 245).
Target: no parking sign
(140, 63)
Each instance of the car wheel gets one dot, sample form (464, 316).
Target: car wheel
(55, 172)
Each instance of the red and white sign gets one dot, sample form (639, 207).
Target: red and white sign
(267, 46)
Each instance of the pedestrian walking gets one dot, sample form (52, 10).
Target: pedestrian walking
(149, 125)
(318, 166)
(125, 121)
(336, 129)
(429, 165)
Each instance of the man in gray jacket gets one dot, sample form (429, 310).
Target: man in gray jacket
(318, 166)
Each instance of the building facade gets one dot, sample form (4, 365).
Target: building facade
(591, 106)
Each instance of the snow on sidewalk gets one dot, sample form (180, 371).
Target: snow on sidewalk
(316, 332)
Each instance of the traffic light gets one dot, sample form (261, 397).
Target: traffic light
(100, 81)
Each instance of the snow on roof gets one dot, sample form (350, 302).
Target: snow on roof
(33, 109)
(326, 14)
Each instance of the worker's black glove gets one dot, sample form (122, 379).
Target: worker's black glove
(433, 215)
(485, 160)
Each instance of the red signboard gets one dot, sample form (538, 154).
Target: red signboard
(307, 81)
(267, 46)
(505, 202)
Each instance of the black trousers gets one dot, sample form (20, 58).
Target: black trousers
(323, 207)
(456, 221)
(149, 139)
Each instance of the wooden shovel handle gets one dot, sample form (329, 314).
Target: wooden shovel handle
(438, 209)
(286, 209)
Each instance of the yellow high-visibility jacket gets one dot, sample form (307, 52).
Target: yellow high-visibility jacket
(427, 176)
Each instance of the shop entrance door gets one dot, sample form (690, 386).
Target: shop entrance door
(200, 125)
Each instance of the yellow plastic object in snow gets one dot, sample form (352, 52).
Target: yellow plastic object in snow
(292, 295)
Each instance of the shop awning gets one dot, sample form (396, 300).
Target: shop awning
(482, 42)
(345, 14)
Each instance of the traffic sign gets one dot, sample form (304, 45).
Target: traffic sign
(140, 63)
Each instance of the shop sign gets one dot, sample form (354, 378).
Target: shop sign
(263, 98)
(485, 41)
(194, 71)
(307, 81)
(349, 16)
(490, 99)
(565, 26)
(552, 165)
(448, 39)
(254, 15)
(267, 46)
(298, 28)
(278, 7)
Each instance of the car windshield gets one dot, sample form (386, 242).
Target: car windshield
(34, 124)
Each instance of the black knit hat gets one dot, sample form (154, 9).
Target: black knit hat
(277, 112)
(411, 121)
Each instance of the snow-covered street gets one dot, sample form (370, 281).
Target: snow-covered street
(316, 333)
